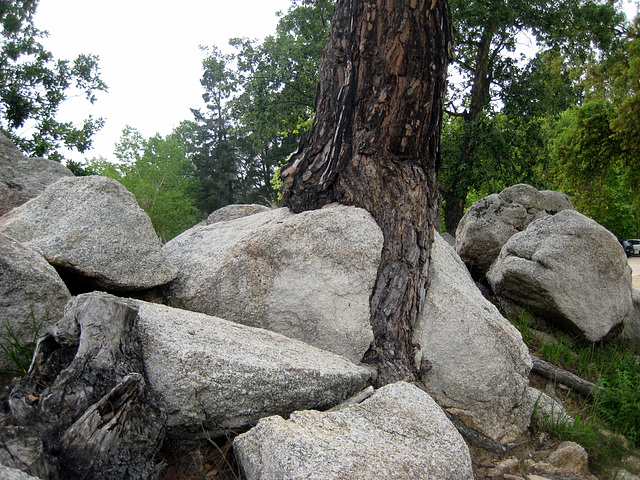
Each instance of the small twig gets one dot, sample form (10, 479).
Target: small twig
(357, 398)
(476, 438)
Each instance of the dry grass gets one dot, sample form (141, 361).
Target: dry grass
(206, 461)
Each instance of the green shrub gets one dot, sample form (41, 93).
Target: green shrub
(619, 403)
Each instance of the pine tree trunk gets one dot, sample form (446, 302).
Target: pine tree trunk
(375, 144)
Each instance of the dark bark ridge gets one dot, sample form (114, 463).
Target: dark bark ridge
(375, 144)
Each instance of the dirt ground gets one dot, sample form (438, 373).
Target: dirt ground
(634, 263)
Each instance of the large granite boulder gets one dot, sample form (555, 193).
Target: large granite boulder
(398, 433)
(23, 178)
(566, 269)
(307, 276)
(93, 228)
(138, 370)
(233, 212)
(221, 375)
(630, 336)
(490, 222)
(32, 295)
(478, 358)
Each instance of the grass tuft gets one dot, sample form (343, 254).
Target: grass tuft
(18, 352)
(607, 426)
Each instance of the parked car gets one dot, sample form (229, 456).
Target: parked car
(627, 247)
(635, 244)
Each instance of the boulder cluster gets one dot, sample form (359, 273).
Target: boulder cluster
(544, 257)
(256, 320)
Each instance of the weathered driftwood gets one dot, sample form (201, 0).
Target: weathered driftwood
(357, 398)
(107, 441)
(85, 396)
(22, 450)
(575, 383)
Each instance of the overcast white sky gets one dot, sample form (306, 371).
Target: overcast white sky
(149, 55)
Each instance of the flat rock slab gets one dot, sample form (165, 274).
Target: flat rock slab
(214, 374)
(94, 227)
(398, 433)
(308, 276)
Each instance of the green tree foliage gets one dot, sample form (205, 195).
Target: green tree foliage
(507, 151)
(626, 96)
(219, 159)
(595, 146)
(259, 101)
(280, 75)
(488, 67)
(159, 173)
(33, 84)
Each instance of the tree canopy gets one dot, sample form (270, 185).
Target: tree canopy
(488, 71)
(259, 100)
(33, 85)
(159, 173)
(540, 92)
(595, 145)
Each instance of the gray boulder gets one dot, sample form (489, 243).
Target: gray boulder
(233, 212)
(568, 270)
(307, 276)
(23, 178)
(571, 458)
(491, 221)
(93, 227)
(547, 410)
(630, 336)
(478, 358)
(217, 374)
(398, 433)
(32, 294)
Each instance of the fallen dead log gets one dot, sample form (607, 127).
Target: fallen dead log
(556, 374)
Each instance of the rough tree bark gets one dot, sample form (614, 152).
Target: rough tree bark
(375, 144)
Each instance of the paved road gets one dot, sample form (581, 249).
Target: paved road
(634, 263)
